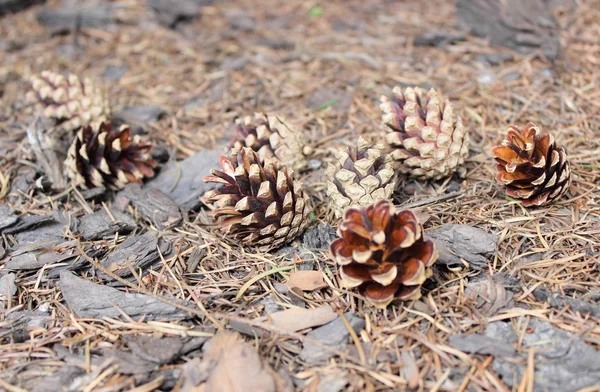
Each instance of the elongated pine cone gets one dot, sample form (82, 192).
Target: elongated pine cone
(271, 136)
(531, 166)
(71, 101)
(427, 138)
(360, 176)
(103, 157)
(259, 203)
(382, 252)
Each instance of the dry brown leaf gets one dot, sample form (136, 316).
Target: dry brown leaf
(307, 280)
(231, 365)
(489, 296)
(296, 319)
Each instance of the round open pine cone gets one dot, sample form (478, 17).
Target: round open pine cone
(70, 101)
(360, 176)
(382, 252)
(270, 136)
(531, 166)
(259, 203)
(427, 138)
(101, 156)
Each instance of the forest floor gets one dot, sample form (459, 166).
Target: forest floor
(523, 315)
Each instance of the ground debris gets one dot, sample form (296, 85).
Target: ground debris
(334, 334)
(7, 285)
(563, 362)
(88, 299)
(101, 225)
(19, 324)
(231, 365)
(471, 244)
(154, 205)
(138, 117)
(137, 253)
(172, 12)
(489, 296)
(523, 27)
(560, 301)
(182, 180)
(439, 38)
(69, 18)
(7, 216)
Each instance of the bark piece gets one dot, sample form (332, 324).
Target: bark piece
(138, 252)
(27, 222)
(100, 225)
(13, 6)
(71, 18)
(439, 38)
(172, 12)
(524, 26)
(480, 344)
(560, 301)
(334, 334)
(7, 217)
(182, 180)
(7, 285)
(319, 237)
(455, 242)
(154, 205)
(88, 299)
(563, 361)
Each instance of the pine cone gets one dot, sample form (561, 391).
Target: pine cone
(427, 138)
(106, 158)
(531, 166)
(383, 253)
(259, 203)
(270, 137)
(72, 102)
(360, 176)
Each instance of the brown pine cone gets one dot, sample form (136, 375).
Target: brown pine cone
(360, 176)
(382, 252)
(259, 203)
(531, 166)
(103, 157)
(427, 138)
(72, 102)
(270, 136)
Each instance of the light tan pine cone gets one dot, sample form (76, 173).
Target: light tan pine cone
(72, 102)
(427, 138)
(271, 136)
(360, 176)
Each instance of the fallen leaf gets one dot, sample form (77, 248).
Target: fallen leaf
(296, 319)
(489, 296)
(231, 365)
(307, 280)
